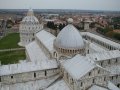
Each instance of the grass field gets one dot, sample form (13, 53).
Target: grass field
(10, 41)
(11, 57)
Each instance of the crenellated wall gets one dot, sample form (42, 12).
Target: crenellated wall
(28, 76)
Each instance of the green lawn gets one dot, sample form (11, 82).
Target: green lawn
(10, 41)
(11, 57)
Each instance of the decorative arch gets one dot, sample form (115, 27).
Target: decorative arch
(55, 54)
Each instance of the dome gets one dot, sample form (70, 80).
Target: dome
(30, 23)
(30, 18)
(29, 26)
(69, 39)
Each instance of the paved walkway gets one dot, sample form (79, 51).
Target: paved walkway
(12, 49)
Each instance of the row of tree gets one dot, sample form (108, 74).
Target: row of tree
(54, 26)
(116, 22)
(6, 24)
(60, 26)
(109, 32)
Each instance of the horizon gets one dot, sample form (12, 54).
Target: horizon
(65, 9)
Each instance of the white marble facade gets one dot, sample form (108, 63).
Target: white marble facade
(81, 60)
(29, 26)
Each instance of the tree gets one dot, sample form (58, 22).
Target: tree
(61, 26)
(9, 23)
(117, 36)
(92, 25)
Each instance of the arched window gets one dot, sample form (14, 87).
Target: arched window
(93, 80)
(0, 79)
(101, 63)
(45, 73)
(98, 71)
(72, 81)
(116, 60)
(81, 84)
(112, 77)
(104, 78)
(55, 54)
(109, 62)
(34, 75)
(89, 73)
(11, 77)
(116, 76)
(63, 50)
(88, 51)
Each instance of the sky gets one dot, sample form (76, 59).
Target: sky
(112, 5)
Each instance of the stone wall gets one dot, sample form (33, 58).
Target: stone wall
(28, 76)
(102, 43)
(110, 62)
(96, 76)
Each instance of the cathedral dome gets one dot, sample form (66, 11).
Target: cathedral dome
(69, 38)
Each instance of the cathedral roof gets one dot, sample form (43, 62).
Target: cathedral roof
(59, 85)
(78, 66)
(111, 86)
(96, 87)
(46, 39)
(69, 38)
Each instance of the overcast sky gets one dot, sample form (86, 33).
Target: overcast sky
(61, 4)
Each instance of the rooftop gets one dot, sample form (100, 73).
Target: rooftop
(80, 66)
(60, 85)
(46, 39)
(69, 38)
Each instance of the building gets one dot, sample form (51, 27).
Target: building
(71, 61)
(86, 24)
(29, 26)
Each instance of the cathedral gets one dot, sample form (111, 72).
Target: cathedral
(73, 60)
